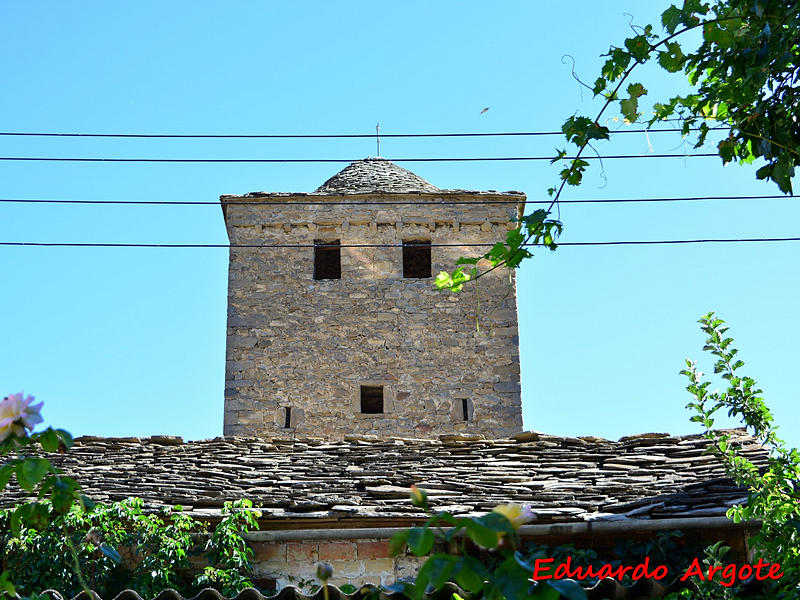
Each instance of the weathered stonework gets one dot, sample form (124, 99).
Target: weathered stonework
(310, 345)
(354, 562)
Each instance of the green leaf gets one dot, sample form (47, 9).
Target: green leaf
(49, 440)
(398, 542)
(31, 471)
(535, 219)
(580, 131)
(568, 589)
(782, 173)
(720, 34)
(636, 89)
(727, 150)
(639, 47)
(470, 574)
(482, 535)
(6, 471)
(64, 494)
(66, 438)
(497, 522)
(559, 155)
(615, 66)
(435, 572)
(544, 591)
(511, 580)
(31, 514)
(110, 553)
(671, 18)
(420, 540)
(672, 59)
(629, 109)
(38, 517)
(6, 586)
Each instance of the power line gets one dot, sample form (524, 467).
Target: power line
(381, 202)
(344, 160)
(463, 245)
(319, 135)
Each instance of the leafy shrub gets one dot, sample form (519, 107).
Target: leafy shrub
(123, 546)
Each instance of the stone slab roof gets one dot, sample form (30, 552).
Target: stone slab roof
(374, 175)
(562, 478)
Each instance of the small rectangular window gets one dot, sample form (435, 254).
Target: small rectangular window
(372, 399)
(327, 259)
(416, 259)
(287, 422)
(465, 409)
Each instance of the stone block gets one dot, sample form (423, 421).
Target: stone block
(379, 566)
(309, 344)
(347, 568)
(301, 553)
(370, 550)
(330, 551)
(268, 551)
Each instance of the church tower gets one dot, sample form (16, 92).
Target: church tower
(335, 328)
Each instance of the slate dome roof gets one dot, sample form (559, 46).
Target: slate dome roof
(374, 175)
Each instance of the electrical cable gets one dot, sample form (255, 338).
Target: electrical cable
(382, 202)
(464, 245)
(344, 160)
(322, 135)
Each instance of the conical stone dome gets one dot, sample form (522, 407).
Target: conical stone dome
(375, 175)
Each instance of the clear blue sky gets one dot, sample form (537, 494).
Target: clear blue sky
(132, 341)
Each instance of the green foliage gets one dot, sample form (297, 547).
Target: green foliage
(228, 554)
(508, 577)
(123, 546)
(36, 475)
(774, 492)
(745, 72)
(56, 496)
(532, 230)
(704, 589)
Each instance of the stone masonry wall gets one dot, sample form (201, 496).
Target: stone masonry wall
(354, 562)
(310, 344)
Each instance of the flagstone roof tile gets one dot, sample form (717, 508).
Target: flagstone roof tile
(562, 478)
(374, 175)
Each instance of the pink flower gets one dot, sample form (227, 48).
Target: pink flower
(18, 415)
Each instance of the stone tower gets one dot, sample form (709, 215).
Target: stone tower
(339, 330)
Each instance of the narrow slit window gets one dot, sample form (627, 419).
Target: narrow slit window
(327, 259)
(371, 399)
(465, 409)
(287, 421)
(417, 259)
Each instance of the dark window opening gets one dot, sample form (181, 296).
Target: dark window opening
(287, 423)
(327, 259)
(372, 399)
(465, 409)
(417, 259)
